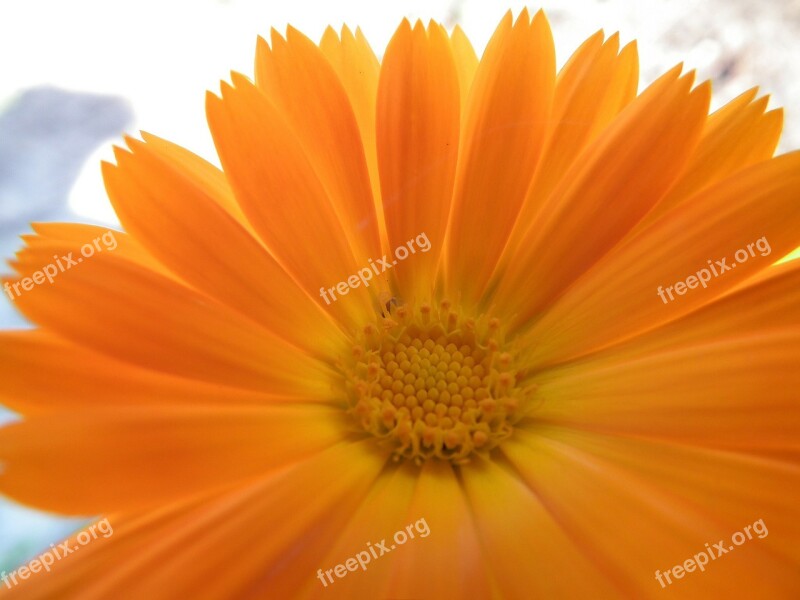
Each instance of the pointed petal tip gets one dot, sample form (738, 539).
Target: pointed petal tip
(677, 69)
(632, 46)
(107, 169)
(507, 20)
(600, 35)
(331, 34)
(541, 17)
(132, 142)
(239, 79)
(294, 36)
(761, 102)
(777, 111)
(212, 99)
(120, 153)
(703, 87)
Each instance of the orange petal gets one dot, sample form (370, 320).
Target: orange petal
(302, 84)
(657, 384)
(383, 510)
(621, 89)
(251, 546)
(636, 524)
(736, 136)
(78, 234)
(125, 458)
(418, 123)
(513, 523)
(666, 394)
(81, 379)
(157, 554)
(466, 63)
(450, 561)
(619, 298)
(594, 85)
(358, 68)
(586, 73)
(506, 117)
(611, 186)
(283, 197)
(131, 534)
(211, 179)
(133, 314)
(169, 211)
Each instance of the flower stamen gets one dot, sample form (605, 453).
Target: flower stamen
(432, 383)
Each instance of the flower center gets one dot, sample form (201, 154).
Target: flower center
(431, 382)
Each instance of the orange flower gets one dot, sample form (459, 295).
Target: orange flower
(256, 384)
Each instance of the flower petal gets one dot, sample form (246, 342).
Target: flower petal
(513, 525)
(736, 136)
(261, 551)
(644, 512)
(358, 69)
(619, 298)
(127, 458)
(80, 379)
(592, 88)
(234, 533)
(666, 394)
(656, 385)
(383, 510)
(506, 116)
(211, 179)
(466, 63)
(123, 309)
(302, 84)
(283, 197)
(449, 562)
(153, 196)
(418, 125)
(610, 187)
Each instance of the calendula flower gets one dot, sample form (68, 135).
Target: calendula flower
(527, 318)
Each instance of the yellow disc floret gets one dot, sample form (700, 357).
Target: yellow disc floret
(433, 383)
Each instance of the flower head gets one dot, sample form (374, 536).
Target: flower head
(530, 312)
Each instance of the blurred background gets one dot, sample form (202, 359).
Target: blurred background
(75, 75)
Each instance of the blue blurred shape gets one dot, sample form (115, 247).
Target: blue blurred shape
(46, 136)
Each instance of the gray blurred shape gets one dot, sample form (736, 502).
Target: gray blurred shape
(46, 136)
